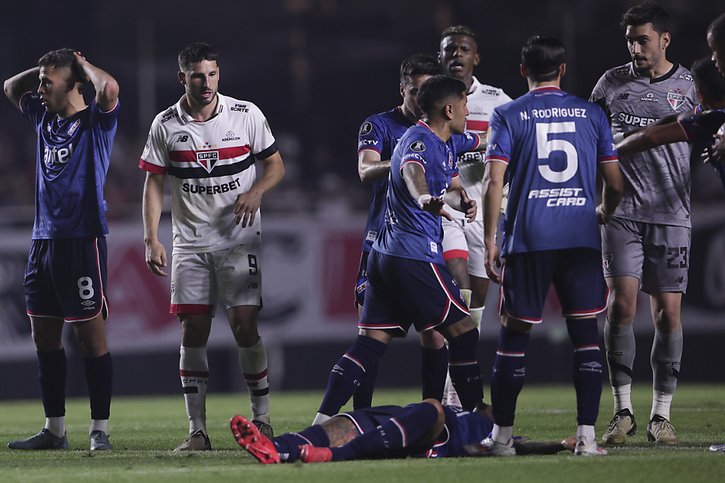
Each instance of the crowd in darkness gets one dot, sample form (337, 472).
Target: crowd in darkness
(316, 68)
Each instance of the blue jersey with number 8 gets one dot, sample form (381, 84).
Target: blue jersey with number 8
(551, 142)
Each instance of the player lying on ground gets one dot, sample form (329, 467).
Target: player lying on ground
(426, 430)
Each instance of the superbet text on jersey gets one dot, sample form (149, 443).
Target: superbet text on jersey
(210, 163)
(552, 142)
(657, 181)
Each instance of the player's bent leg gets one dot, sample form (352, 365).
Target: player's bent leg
(253, 362)
(665, 359)
(52, 367)
(349, 370)
(620, 347)
(434, 365)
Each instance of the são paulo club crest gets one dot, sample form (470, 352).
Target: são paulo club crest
(675, 99)
(207, 159)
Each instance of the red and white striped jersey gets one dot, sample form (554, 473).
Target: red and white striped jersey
(210, 163)
(482, 99)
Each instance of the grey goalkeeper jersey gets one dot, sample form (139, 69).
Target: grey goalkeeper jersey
(657, 181)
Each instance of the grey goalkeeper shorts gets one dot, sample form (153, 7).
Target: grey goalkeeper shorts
(657, 255)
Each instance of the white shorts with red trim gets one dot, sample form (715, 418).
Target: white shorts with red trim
(231, 277)
(464, 239)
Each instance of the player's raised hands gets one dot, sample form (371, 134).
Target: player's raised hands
(246, 207)
(156, 257)
(434, 205)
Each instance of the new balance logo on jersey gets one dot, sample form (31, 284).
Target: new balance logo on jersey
(182, 138)
(56, 155)
(207, 159)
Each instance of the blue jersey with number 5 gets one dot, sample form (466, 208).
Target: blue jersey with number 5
(551, 142)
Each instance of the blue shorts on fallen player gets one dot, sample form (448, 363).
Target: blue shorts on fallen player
(66, 278)
(575, 272)
(402, 292)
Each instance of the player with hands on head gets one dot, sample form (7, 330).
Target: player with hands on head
(65, 277)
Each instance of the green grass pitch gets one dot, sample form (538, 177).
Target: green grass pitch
(145, 429)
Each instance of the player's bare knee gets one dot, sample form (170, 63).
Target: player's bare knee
(621, 310)
(459, 328)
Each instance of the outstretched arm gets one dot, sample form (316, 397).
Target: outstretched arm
(457, 198)
(16, 86)
(248, 203)
(650, 137)
(414, 176)
(105, 85)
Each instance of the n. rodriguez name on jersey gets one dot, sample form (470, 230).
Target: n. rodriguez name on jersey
(210, 164)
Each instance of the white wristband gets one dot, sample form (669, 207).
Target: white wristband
(423, 199)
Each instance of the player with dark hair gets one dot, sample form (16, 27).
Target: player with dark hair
(408, 283)
(208, 143)
(550, 145)
(65, 277)
(646, 244)
(377, 139)
(425, 430)
(463, 248)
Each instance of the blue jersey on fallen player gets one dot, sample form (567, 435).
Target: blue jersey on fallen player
(72, 161)
(380, 133)
(552, 194)
(409, 231)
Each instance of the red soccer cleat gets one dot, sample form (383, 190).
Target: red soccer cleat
(314, 454)
(248, 437)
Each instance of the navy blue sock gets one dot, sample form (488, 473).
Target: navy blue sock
(392, 436)
(52, 367)
(509, 370)
(584, 334)
(99, 376)
(464, 369)
(348, 372)
(363, 396)
(433, 370)
(288, 444)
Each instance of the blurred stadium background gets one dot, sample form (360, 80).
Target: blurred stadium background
(316, 68)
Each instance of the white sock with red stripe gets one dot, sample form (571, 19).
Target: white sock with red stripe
(194, 374)
(253, 362)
